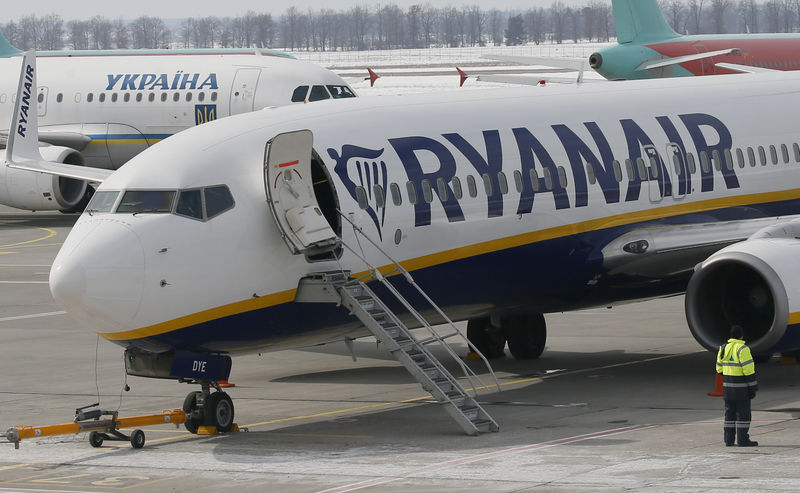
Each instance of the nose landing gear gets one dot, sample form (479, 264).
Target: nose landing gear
(204, 408)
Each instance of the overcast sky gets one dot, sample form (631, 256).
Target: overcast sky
(86, 9)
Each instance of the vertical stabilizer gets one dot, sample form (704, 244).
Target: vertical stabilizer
(23, 136)
(6, 50)
(640, 21)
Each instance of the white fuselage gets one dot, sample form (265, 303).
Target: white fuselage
(510, 239)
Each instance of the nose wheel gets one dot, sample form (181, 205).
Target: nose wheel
(204, 408)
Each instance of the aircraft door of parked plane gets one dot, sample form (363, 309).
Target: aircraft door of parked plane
(243, 92)
(290, 194)
(41, 101)
(676, 163)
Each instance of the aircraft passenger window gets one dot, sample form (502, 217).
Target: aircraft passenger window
(562, 177)
(176, 97)
(457, 188)
(412, 192)
(441, 189)
(114, 97)
(40, 97)
(548, 179)
(654, 167)
(127, 97)
(213, 96)
(77, 97)
(190, 204)
(691, 162)
(518, 180)
(318, 93)
(188, 96)
(3, 98)
(501, 178)
(299, 94)
(728, 159)
(704, 164)
(617, 171)
(201, 96)
(751, 156)
(139, 97)
(339, 92)
(380, 198)
(534, 180)
(59, 98)
(773, 153)
(785, 153)
(590, 174)
(641, 169)
(163, 97)
(361, 197)
(740, 157)
(762, 155)
(102, 97)
(796, 152)
(472, 187)
(716, 159)
(427, 192)
(217, 199)
(397, 199)
(149, 201)
(102, 201)
(487, 184)
(89, 97)
(676, 162)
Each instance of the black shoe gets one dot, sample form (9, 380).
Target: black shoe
(751, 443)
(729, 444)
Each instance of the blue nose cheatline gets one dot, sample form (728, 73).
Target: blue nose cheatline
(100, 282)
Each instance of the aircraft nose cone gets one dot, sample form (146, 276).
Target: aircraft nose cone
(98, 276)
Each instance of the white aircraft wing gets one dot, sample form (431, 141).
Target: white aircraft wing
(560, 62)
(746, 69)
(663, 62)
(22, 149)
(530, 80)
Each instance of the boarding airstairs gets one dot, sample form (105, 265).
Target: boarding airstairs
(414, 353)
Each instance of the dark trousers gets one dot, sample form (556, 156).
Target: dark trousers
(737, 420)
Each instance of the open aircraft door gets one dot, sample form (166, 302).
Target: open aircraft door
(290, 194)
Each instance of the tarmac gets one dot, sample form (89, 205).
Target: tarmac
(617, 402)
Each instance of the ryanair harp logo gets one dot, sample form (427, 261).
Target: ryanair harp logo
(204, 113)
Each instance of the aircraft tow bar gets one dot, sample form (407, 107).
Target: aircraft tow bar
(87, 419)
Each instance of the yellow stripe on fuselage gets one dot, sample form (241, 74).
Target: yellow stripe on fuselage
(794, 318)
(472, 251)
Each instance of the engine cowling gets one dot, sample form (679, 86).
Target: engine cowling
(755, 284)
(38, 191)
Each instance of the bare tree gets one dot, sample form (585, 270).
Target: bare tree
(78, 34)
(101, 30)
(718, 8)
(675, 12)
(149, 32)
(558, 17)
(695, 8)
(535, 24)
(121, 34)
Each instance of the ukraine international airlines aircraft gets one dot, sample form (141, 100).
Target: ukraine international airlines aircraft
(647, 47)
(503, 204)
(100, 108)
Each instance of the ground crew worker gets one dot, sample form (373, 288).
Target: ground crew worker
(735, 363)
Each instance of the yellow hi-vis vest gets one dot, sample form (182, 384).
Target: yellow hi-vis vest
(738, 370)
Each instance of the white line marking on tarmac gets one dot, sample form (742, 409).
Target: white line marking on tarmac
(25, 265)
(23, 282)
(479, 457)
(34, 315)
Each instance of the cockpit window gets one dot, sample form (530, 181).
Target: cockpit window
(218, 200)
(149, 201)
(299, 94)
(190, 204)
(102, 201)
(318, 93)
(339, 92)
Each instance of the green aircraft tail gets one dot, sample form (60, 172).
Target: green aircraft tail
(640, 21)
(6, 50)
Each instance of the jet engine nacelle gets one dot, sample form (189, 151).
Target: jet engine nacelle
(755, 284)
(38, 191)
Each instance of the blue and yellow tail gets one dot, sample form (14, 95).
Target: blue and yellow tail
(640, 21)
(6, 50)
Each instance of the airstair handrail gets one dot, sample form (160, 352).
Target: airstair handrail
(407, 275)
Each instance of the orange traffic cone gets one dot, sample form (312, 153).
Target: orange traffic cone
(225, 384)
(717, 387)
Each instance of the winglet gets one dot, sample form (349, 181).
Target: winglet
(7, 49)
(463, 76)
(23, 135)
(372, 77)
